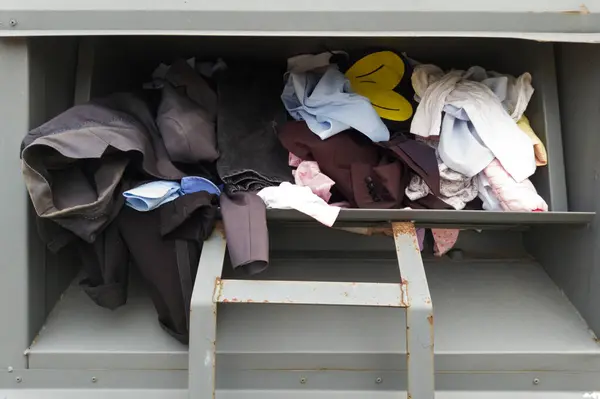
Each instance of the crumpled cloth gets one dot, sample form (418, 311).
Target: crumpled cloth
(151, 195)
(444, 240)
(290, 196)
(500, 192)
(329, 106)
(456, 189)
(541, 156)
(308, 174)
(475, 112)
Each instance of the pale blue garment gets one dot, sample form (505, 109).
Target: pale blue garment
(151, 195)
(328, 105)
(193, 184)
(461, 147)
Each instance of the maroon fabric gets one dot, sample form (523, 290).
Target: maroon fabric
(368, 175)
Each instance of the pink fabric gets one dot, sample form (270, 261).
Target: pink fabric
(294, 161)
(511, 195)
(309, 175)
(444, 240)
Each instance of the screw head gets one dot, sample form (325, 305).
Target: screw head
(10, 369)
(94, 379)
(13, 22)
(378, 380)
(303, 380)
(536, 381)
(19, 379)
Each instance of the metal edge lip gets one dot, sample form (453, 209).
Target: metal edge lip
(443, 216)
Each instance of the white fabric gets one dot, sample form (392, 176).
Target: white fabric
(309, 62)
(478, 121)
(290, 196)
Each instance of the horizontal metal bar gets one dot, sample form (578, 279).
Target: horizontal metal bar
(431, 217)
(310, 293)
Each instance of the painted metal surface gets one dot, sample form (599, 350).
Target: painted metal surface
(566, 20)
(16, 278)
(310, 293)
(419, 313)
(440, 217)
(203, 317)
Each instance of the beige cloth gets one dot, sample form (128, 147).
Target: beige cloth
(541, 156)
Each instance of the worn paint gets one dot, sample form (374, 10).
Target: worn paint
(583, 10)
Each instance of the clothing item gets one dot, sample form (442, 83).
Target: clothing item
(245, 222)
(476, 126)
(420, 238)
(151, 195)
(308, 174)
(187, 114)
(375, 77)
(444, 240)
(499, 191)
(249, 112)
(367, 175)
(309, 62)
(290, 196)
(455, 188)
(194, 184)
(165, 245)
(541, 156)
(73, 165)
(329, 106)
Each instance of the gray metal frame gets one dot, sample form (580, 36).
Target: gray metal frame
(412, 294)
(564, 20)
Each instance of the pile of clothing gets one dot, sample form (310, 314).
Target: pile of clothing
(140, 178)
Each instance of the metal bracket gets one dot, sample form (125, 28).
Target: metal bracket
(419, 313)
(412, 294)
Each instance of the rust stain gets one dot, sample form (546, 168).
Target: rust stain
(583, 10)
(265, 301)
(220, 229)
(400, 228)
(428, 301)
(430, 319)
(404, 281)
(218, 291)
(249, 301)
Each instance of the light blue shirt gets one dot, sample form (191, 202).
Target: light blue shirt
(151, 195)
(328, 105)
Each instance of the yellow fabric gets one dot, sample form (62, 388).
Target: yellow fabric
(375, 76)
(541, 156)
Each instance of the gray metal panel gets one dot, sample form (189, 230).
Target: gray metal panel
(534, 19)
(80, 335)
(571, 256)
(431, 217)
(278, 394)
(496, 315)
(15, 305)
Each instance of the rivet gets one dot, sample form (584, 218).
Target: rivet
(378, 380)
(10, 369)
(303, 380)
(19, 379)
(94, 379)
(536, 381)
(13, 22)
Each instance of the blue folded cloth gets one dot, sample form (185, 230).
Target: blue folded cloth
(193, 184)
(151, 195)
